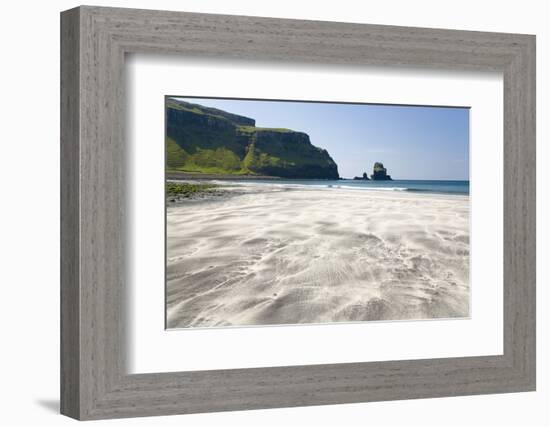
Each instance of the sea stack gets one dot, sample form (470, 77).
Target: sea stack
(379, 173)
(364, 177)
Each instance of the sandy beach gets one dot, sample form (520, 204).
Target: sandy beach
(275, 254)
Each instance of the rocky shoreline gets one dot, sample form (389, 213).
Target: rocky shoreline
(178, 193)
(379, 173)
(198, 197)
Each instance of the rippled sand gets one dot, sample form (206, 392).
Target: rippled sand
(276, 255)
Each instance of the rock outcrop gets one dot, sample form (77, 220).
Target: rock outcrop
(365, 177)
(379, 173)
(207, 140)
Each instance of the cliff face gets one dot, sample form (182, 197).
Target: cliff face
(208, 140)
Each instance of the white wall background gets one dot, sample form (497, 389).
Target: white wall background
(29, 212)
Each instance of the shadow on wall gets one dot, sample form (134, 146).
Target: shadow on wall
(51, 405)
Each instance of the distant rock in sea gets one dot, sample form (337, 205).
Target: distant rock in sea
(365, 177)
(380, 173)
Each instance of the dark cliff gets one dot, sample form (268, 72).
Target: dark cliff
(207, 140)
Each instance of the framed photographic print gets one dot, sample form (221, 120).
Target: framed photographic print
(262, 213)
(265, 228)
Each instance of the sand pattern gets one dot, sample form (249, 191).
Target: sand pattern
(306, 255)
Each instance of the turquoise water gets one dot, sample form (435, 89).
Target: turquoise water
(441, 187)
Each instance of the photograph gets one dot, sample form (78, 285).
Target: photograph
(293, 212)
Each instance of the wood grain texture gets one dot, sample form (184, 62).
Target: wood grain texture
(95, 383)
(70, 291)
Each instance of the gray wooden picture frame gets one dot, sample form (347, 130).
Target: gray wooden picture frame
(94, 381)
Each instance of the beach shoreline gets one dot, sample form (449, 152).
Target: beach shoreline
(279, 254)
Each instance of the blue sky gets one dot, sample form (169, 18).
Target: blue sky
(412, 142)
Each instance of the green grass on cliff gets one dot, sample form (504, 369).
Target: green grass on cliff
(176, 157)
(255, 160)
(209, 161)
(251, 129)
(196, 109)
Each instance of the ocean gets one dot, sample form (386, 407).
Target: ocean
(420, 186)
